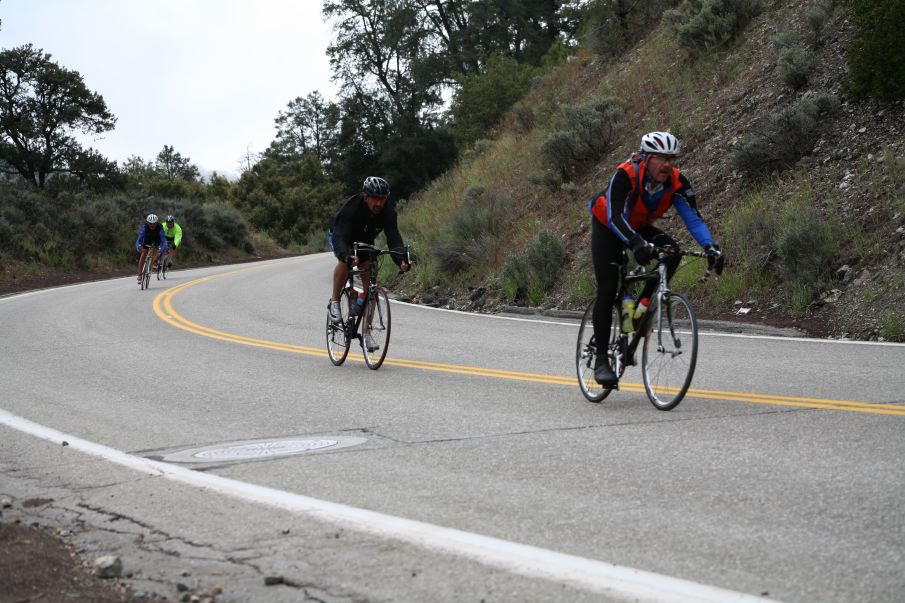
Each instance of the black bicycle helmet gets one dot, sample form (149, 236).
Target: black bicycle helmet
(170, 219)
(375, 186)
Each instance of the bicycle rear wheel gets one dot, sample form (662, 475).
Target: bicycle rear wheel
(670, 351)
(339, 334)
(586, 355)
(375, 328)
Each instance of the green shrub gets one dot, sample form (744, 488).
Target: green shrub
(609, 28)
(892, 328)
(877, 56)
(787, 137)
(795, 64)
(816, 17)
(704, 25)
(594, 125)
(474, 236)
(806, 246)
(589, 130)
(523, 117)
(224, 222)
(537, 270)
(560, 151)
(750, 228)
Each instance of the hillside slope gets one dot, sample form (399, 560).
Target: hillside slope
(849, 185)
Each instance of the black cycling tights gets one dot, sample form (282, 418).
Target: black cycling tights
(607, 253)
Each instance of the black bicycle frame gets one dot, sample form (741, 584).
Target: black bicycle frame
(629, 342)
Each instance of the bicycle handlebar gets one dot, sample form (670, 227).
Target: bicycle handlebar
(663, 251)
(405, 254)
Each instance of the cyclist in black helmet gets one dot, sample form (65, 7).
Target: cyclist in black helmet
(360, 220)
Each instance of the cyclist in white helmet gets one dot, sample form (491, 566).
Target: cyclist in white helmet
(150, 240)
(361, 218)
(641, 191)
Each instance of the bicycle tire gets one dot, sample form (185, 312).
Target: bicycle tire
(586, 355)
(376, 323)
(670, 351)
(159, 269)
(146, 273)
(166, 269)
(339, 334)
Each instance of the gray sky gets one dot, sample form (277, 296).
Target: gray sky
(205, 76)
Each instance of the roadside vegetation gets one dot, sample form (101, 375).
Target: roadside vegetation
(498, 128)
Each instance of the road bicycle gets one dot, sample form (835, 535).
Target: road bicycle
(365, 318)
(668, 329)
(163, 264)
(145, 280)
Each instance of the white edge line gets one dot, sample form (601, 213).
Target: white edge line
(587, 574)
(700, 332)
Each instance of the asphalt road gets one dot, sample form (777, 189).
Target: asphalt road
(468, 468)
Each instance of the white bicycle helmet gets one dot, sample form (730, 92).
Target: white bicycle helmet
(661, 143)
(375, 186)
(151, 219)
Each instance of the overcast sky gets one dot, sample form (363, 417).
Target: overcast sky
(205, 76)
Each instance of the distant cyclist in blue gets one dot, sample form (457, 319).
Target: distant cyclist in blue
(150, 239)
(641, 191)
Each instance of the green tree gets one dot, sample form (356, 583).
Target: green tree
(877, 56)
(173, 166)
(482, 98)
(290, 200)
(41, 105)
(308, 125)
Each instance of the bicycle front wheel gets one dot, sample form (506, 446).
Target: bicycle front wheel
(339, 333)
(375, 328)
(166, 269)
(586, 355)
(146, 273)
(670, 351)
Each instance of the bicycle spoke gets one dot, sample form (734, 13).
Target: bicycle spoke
(670, 352)
(338, 334)
(586, 355)
(375, 328)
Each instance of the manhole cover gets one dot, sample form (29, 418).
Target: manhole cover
(259, 449)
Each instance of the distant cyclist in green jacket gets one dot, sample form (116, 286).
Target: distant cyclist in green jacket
(173, 234)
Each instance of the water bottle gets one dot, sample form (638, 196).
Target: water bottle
(643, 303)
(356, 309)
(628, 314)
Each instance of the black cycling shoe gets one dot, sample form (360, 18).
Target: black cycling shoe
(603, 373)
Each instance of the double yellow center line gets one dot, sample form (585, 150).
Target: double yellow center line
(163, 307)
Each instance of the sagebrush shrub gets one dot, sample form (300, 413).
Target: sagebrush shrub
(787, 137)
(751, 228)
(474, 235)
(806, 247)
(795, 65)
(593, 125)
(588, 131)
(560, 151)
(704, 25)
(523, 117)
(609, 28)
(534, 272)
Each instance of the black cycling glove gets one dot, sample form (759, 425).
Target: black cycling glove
(715, 259)
(642, 250)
